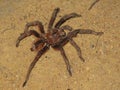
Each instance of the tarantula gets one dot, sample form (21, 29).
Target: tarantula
(55, 37)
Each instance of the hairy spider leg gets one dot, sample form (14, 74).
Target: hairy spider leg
(65, 18)
(73, 43)
(83, 31)
(35, 23)
(53, 17)
(66, 60)
(26, 34)
(74, 33)
(39, 54)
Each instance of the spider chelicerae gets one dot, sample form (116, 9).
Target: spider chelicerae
(55, 37)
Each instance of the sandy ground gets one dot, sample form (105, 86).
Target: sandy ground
(101, 71)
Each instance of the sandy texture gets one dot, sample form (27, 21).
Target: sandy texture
(101, 71)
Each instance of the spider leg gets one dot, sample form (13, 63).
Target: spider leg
(73, 43)
(39, 54)
(66, 60)
(65, 18)
(26, 34)
(66, 27)
(74, 33)
(83, 31)
(35, 23)
(53, 17)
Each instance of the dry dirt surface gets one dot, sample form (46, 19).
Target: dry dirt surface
(101, 71)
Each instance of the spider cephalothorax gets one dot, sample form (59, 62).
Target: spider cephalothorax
(55, 37)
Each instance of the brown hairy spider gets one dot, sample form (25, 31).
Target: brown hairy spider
(55, 37)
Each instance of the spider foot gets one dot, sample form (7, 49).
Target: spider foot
(22, 35)
(17, 43)
(70, 73)
(99, 33)
(69, 70)
(82, 58)
(76, 15)
(24, 83)
(33, 48)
